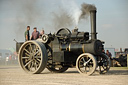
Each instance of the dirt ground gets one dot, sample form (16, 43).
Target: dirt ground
(14, 75)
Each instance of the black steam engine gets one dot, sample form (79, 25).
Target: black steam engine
(63, 50)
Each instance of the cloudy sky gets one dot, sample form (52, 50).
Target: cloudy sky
(15, 15)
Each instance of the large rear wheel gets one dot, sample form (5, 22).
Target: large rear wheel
(53, 67)
(33, 57)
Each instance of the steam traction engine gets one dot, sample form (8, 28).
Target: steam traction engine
(65, 49)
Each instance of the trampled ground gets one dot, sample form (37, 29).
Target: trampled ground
(14, 75)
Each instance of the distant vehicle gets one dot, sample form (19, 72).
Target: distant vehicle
(126, 50)
(122, 59)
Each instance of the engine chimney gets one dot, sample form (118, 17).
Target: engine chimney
(93, 24)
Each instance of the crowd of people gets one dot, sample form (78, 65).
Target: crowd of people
(35, 34)
(9, 60)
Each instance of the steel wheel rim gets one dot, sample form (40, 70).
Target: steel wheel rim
(106, 64)
(50, 63)
(30, 58)
(85, 60)
(86, 64)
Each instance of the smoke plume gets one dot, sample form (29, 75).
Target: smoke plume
(85, 8)
(30, 14)
(61, 19)
(65, 16)
(71, 14)
(48, 14)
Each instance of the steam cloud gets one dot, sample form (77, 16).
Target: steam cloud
(61, 19)
(65, 16)
(85, 8)
(71, 14)
(17, 14)
(37, 14)
(30, 15)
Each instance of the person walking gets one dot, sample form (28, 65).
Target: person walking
(35, 34)
(26, 34)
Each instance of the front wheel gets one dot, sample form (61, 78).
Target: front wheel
(86, 64)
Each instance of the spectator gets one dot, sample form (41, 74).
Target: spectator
(103, 51)
(27, 36)
(0, 58)
(41, 32)
(10, 57)
(35, 34)
(6, 61)
(109, 54)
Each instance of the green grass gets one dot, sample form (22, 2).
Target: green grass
(119, 68)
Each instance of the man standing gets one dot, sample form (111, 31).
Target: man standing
(110, 57)
(41, 32)
(35, 34)
(27, 36)
(109, 54)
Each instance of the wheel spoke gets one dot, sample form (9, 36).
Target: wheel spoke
(84, 60)
(49, 54)
(28, 63)
(37, 62)
(81, 66)
(48, 51)
(37, 52)
(88, 61)
(27, 54)
(30, 47)
(34, 65)
(29, 66)
(100, 69)
(35, 49)
(26, 51)
(103, 67)
(27, 60)
(38, 59)
(25, 57)
(85, 70)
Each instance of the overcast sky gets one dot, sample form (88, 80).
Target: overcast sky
(15, 15)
